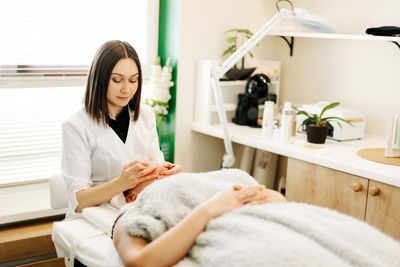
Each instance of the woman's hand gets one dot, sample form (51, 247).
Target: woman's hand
(264, 195)
(170, 169)
(227, 200)
(136, 172)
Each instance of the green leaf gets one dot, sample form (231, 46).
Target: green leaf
(231, 39)
(237, 30)
(229, 50)
(317, 119)
(330, 106)
(302, 112)
(246, 31)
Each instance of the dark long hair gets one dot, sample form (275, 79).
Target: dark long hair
(95, 100)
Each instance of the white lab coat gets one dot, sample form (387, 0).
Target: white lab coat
(93, 154)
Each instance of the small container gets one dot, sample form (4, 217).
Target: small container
(294, 123)
(286, 123)
(268, 118)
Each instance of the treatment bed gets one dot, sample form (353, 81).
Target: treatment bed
(275, 234)
(88, 239)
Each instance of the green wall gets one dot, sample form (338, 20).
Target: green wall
(168, 46)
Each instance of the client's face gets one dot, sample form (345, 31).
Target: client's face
(132, 193)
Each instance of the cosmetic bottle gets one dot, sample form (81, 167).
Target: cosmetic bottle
(268, 118)
(286, 123)
(294, 123)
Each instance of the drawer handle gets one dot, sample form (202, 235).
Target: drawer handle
(356, 187)
(374, 191)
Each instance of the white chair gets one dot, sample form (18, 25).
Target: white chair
(58, 192)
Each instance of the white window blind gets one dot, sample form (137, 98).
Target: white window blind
(41, 34)
(48, 38)
(30, 134)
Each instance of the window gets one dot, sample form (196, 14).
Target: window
(46, 47)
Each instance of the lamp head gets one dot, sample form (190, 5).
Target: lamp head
(286, 13)
(303, 18)
(312, 22)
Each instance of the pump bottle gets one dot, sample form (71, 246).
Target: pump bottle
(268, 118)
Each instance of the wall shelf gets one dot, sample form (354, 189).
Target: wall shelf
(227, 107)
(238, 82)
(338, 36)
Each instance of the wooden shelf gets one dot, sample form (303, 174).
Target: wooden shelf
(227, 107)
(337, 36)
(233, 83)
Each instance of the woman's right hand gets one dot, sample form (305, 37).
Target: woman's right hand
(136, 172)
(227, 200)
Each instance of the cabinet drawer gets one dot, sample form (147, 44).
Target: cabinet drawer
(383, 209)
(317, 185)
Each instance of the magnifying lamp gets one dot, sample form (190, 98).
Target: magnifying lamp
(299, 16)
(303, 18)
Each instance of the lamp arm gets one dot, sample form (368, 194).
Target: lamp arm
(229, 158)
(218, 71)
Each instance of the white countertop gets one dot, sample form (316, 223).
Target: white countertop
(341, 156)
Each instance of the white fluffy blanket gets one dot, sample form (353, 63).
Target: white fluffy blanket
(281, 234)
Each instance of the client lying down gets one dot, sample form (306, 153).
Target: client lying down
(224, 218)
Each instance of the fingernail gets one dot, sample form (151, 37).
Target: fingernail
(262, 186)
(240, 197)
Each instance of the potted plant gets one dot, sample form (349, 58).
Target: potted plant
(236, 37)
(316, 125)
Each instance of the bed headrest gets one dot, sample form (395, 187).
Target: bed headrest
(102, 216)
(58, 192)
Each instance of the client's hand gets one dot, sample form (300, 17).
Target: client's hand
(227, 200)
(170, 169)
(136, 172)
(264, 195)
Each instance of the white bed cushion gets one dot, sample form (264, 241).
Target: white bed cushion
(102, 216)
(95, 248)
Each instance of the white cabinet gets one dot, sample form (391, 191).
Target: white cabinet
(205, 107)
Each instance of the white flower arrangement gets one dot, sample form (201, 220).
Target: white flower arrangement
(159, 85)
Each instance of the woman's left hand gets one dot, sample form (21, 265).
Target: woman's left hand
(264, 195)
(170, 169)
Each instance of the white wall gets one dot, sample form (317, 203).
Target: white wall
(359, 74)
